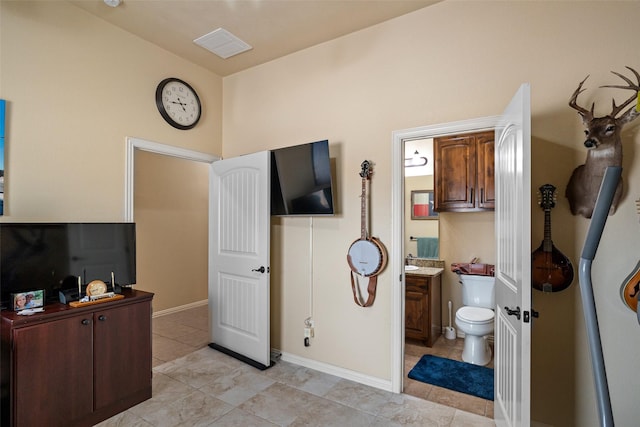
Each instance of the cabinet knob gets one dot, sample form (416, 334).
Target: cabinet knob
(85, 321)
(102, 317)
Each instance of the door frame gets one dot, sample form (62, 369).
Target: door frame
(133, 144)
(398, 139)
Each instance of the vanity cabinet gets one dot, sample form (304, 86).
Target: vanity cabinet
(423, 308)
(76, 366)
(464, 172)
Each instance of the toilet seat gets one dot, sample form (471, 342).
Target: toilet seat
(475, 315)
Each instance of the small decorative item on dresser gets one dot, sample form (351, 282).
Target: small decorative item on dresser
(25, 300)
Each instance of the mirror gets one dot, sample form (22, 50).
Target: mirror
(422, 205)
(418, 187)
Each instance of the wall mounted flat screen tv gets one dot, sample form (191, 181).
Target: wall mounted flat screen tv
(301, 182)
(51, 256)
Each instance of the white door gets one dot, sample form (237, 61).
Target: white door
(239, 221)
(513, 263)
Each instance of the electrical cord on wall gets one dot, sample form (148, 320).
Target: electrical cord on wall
(310, 267)
(308, 322)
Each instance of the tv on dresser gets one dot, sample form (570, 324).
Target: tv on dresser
(52, 256)
(71, 363)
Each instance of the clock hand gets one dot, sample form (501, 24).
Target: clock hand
(182, 104)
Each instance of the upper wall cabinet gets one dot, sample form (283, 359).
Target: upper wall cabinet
(464, 172)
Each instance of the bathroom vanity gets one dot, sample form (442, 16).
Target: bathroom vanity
(423, 304)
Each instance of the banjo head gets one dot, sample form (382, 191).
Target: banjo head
(365, 257)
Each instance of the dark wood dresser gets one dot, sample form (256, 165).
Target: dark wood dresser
(76, 366)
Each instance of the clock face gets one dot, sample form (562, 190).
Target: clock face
(178, 103)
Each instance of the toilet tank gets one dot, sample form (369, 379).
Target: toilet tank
(478, 291)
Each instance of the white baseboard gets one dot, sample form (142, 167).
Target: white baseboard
(180, 308)
(337, 371)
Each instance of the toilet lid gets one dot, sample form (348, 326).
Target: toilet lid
(475, 314)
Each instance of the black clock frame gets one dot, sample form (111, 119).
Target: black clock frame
(164, 113)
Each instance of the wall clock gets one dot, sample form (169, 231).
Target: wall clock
(178, 103)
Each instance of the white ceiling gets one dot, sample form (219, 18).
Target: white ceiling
(274, 28)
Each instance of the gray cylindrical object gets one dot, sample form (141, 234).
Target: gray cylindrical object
(596, 227)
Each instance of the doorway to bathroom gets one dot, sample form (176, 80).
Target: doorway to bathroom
(436, 240)
(512, 171)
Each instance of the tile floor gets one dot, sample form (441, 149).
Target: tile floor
(450, 349)
(194, 385)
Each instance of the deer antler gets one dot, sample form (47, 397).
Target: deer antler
(630, 114)
(587, 115)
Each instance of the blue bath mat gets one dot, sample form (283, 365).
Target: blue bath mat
(459, 376)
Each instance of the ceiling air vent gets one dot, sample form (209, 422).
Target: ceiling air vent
(222, 43)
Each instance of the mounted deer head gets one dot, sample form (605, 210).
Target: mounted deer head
(604, 148)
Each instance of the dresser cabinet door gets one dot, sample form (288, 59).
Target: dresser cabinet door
(122, 346)
(54, 362)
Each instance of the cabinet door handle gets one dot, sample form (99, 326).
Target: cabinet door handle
(85, 321)
(471, 196)
(102, 317)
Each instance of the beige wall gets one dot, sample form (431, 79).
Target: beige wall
(449, 62)
(552, 336)
(75, 88)
(171, 208)
(452, 61)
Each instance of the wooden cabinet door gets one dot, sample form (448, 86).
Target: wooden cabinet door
(455, 173)
(122, 347)
(486, 180)
(54, 364)
(464, 172)
(416, 308)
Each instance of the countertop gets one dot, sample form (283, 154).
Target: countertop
(425, 271)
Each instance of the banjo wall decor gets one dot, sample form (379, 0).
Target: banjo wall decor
(367, 256)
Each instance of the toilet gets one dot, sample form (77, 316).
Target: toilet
(475, 318)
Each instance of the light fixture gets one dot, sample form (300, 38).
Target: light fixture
(415, 161)
(112, 3)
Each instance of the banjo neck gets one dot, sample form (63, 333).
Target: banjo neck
(365, 174)
(363, 210)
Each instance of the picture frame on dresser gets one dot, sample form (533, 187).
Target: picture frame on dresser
(25, 300)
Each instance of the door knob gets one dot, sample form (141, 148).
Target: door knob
(515, 312)
(259, 270)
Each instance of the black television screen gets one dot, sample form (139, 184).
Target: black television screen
(301, 181)
(51, 256)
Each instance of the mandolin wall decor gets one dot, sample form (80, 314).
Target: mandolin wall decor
(551, 270)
